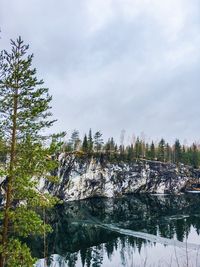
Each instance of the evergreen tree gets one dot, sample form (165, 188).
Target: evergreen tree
(177, 151)
(195, 156)
(68, 146)
(110, 146)
(152, 151)
(85, 144)
(138, 148)
(147, 151)
(130, 154)
(161, 150)
(90, 141)
(75, 140)
(121, 152)
(186, 155)
(98, 141)
(24, 113)
(107, 147)
(168, 154)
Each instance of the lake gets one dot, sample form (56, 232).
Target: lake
(133, 231)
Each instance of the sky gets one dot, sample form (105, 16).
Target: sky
(114, 65)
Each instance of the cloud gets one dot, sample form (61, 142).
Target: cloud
(115, 64)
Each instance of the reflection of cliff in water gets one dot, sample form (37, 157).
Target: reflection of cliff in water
(80, 225)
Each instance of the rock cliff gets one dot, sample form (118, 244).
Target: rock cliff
(83, 177)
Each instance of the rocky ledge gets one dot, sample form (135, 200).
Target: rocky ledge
(84, 177)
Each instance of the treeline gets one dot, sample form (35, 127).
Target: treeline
(93, 144)
(137, 149)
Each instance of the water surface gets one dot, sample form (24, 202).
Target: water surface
(136, 230)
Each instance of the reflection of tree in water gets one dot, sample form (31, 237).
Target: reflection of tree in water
(77, 230)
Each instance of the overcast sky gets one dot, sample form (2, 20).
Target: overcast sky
(115, 64)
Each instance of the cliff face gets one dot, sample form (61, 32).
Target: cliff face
(82, 178)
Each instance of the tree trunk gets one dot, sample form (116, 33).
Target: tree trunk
(10, 181)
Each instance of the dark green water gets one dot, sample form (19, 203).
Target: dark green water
(137, 230)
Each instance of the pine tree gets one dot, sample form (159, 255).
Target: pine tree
(98, 141)
(161, 150)
(121, 152)
(24, 113)
(177, 151)
(168, 154)
(110, 146)
(75, 140)
(147, 151)
(107, 147)
(90, 141)
(185, 155)
(130, 154)
(85, 144)
(152, 151)
(138, 148)
(195, 156)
